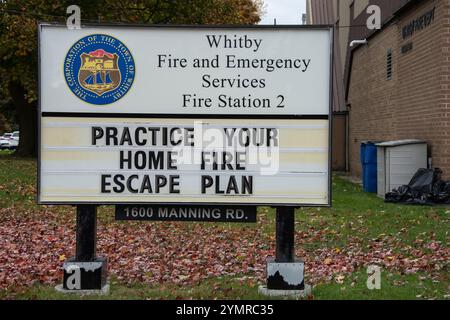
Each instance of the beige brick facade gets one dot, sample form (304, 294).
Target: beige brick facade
(415, 103)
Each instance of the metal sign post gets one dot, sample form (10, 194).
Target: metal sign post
(285, 249)
(85, 271)
(285, 274)
(86, 233)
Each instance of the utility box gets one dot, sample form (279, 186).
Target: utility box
(397, 162)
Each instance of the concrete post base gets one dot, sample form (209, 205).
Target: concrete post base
(295, 294)
(85, 275)
(103, 291)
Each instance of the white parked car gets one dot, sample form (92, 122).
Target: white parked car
(5, 141)
(14, 141)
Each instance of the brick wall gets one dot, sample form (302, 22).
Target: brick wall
(415, 103)
(444, 79)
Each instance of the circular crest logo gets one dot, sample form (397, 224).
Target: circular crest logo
(99, 69)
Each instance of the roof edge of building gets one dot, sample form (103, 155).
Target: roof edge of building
(403, 9)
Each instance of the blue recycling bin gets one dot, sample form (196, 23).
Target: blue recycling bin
(369, 166)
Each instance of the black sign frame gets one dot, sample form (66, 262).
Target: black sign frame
(328, 117)
(155, 212)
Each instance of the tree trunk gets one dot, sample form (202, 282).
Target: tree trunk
(27, 117)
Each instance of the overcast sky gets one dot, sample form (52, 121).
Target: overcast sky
(285, 11)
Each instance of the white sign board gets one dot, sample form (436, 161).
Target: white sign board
(207, 115)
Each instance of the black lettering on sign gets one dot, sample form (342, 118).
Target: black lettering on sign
(125, 158)
(140, 184)
(119, 185)
(207, 181)
(223, 160)
(407, 47)
(126, 137)
(111, 136)
(151, 160)
(97, 133)
(224, 184)
(138, 136)
(418, 24)
(105, 183)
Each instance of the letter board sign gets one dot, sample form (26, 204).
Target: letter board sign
(184, 115)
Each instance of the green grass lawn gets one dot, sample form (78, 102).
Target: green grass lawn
(357, 225)
(393, 287)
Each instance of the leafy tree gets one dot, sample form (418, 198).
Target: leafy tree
(18, 40)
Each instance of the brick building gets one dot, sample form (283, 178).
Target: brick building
(398, 85)
(326, 12)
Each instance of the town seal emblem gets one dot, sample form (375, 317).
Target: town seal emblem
(99, 69)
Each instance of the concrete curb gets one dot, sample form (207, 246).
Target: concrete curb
(297, 294)
(103, 291)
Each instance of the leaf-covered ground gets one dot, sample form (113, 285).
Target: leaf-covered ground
(204, 260)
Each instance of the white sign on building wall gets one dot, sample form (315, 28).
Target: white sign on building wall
(213, 115)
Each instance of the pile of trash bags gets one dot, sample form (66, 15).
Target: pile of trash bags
(425, 188)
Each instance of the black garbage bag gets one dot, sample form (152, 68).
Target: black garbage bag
(425, 188)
